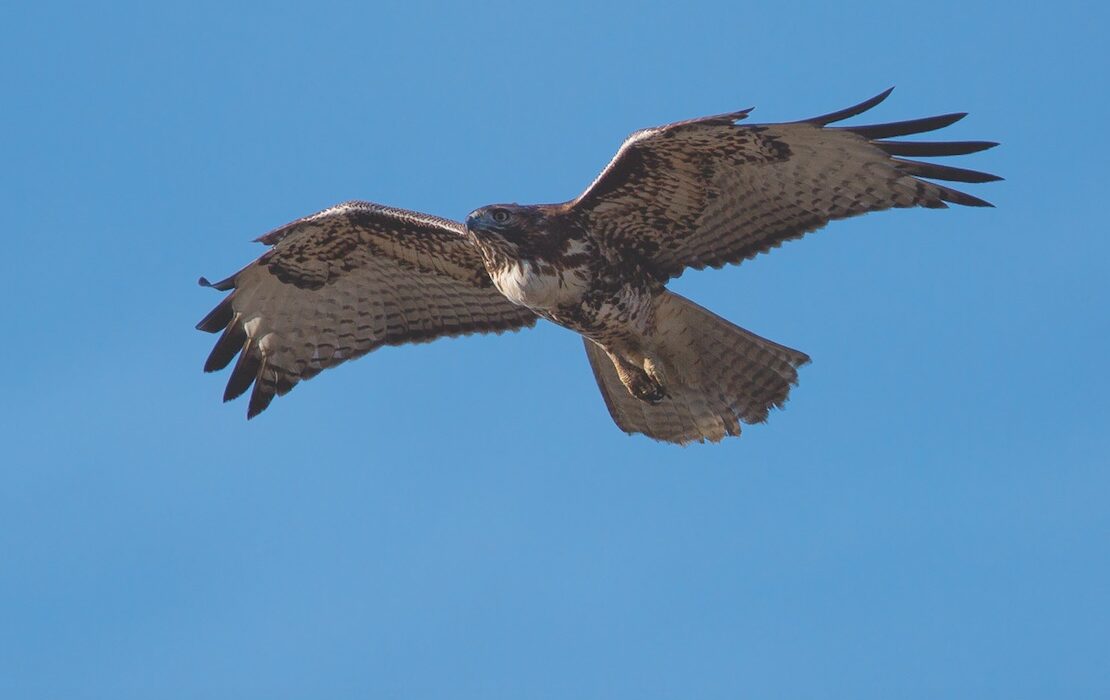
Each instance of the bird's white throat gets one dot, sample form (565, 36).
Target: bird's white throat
(538, 286)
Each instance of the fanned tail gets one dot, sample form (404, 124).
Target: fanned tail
(716, 376)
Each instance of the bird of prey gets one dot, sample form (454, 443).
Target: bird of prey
(700, 193)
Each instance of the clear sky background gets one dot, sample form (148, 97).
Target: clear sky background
(927, 518)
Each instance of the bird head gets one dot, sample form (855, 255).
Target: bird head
(496, 219)
(512, 228)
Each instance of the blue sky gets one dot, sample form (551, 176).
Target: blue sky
(461, 519)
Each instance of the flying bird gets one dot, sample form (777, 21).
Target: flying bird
(700, 193)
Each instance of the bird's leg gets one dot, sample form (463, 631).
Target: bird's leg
(655, 371)
(641, 382)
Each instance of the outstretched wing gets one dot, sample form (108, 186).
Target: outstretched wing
(709, 192)
(340, 283)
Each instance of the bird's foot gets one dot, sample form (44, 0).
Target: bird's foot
(647, 389)
(639, 377)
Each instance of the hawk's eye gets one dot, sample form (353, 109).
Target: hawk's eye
(499, 216)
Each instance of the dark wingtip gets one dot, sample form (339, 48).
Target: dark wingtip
(264, 389)
(935, 171)
(849, 112)
(726, 119)
(904, 128)
(273, 236)
(932, 149)
(976, 202)
(223, 285)
(219, 317)
(226, 348)
(948, 194)
(244, 372)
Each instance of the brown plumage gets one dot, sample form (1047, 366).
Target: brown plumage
(708, 192)
(343, 282)
(700, 193)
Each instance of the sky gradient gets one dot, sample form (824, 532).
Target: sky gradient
(927, 517)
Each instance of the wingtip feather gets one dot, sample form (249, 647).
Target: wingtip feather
(223, 285)
(948, 194)
(935, 171)
(244, 372)
(933, 149)
(218, 318)
(263, 392)
(904, 128)
(229, 344)
(848, 112)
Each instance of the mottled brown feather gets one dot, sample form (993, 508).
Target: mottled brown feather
(708, 193)
(343, 282)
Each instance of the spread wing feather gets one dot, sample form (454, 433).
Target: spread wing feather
(709, 192)
(342, 282)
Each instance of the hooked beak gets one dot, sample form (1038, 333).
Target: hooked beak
(474, 218)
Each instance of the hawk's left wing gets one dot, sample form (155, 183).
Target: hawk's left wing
(708, 192)
(342, 282)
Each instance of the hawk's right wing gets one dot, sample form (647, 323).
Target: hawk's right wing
(709, 192)
(343, 282)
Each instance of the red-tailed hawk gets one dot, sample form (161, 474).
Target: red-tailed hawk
(700, 193)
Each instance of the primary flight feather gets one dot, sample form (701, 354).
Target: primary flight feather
(700, 193)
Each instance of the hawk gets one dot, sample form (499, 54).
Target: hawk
(700, 193)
